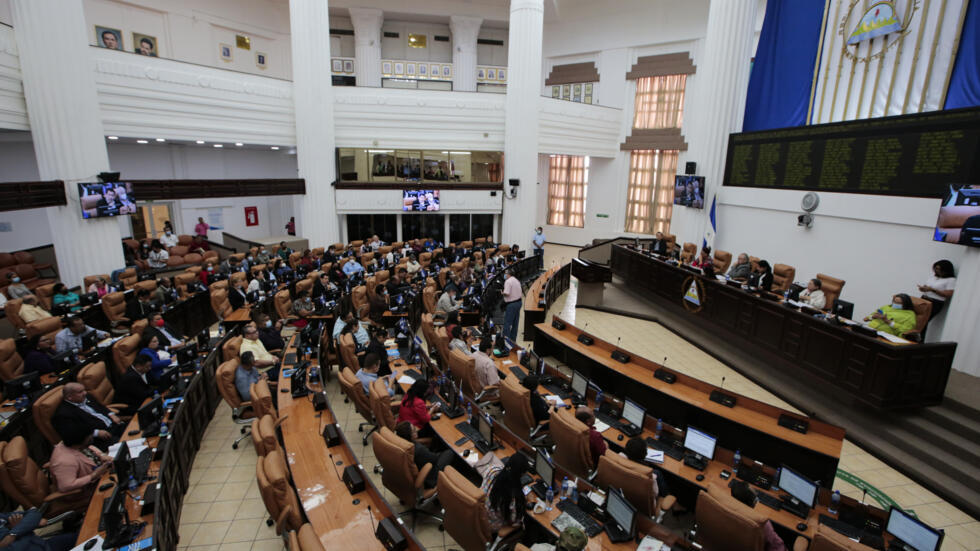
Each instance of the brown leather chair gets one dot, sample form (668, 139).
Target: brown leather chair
(429, 299)
(90, 279)
(124, 351)
(241, 411)
(231, 349)
(47, 326)
(30, 277)
(25, 483)
(128, 278)
(294, 259)
(381, 277)
(443, 274)
(722, 260)
(571, 438)
(220, 304)
(463, 368)
(45, 296)
(923, 309)
(139, 326)
(383, 406)
(262, 402)
(359, 301)
(827, 539)
(425, 259)
(636, 481)
(304, 285)
(366, 259)
(401, 476)
(518, 416)
(94, 378)
(305, 539)
(283, 304)
(442, 346)
(25, 257)
(464, 506)
(264, 436)
(12, 310)
(184, 239)
(174, 261)
(782, 277)
(831, 287)
(277, 493)
(42, 410)
(181, 280)
(236, 277)
(114, 308)
(178, 250)
(11, 364)
(351, 386)
(725, 523)
(754, 263)
(687, 254)
(348, 352)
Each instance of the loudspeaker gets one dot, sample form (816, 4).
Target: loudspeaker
(319, 401)
(792, 423)
(353, 479)
(720, 397)
(331, 435)
(665, 376)
(691, 168)
(390, 536)
(621, 356)
(514, 182)
(585, 339)
(558, 324)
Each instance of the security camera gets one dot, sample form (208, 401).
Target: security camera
(805, 220)
(514, 184)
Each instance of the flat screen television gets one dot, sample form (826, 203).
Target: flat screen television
(689, 191)
(98, 200)
(959, 216)
(420, 200)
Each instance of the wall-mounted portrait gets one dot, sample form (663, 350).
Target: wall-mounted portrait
(481, 74)
(386, 68)
(501, 74)
(423, 70)
(336, 65)
(447, 71)
(566, 91)
(260, 60)
(225, 52)
(144, 44)
(109, 38)
(410, 69)
(491, 74)
(556, 92)
(348, 65)
(399, 69)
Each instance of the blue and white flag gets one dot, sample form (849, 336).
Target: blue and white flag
(710, 233)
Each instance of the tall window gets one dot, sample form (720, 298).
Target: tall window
(649, 200)
(660, 102)
(567, 187)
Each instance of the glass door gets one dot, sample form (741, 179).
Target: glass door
(149, 220)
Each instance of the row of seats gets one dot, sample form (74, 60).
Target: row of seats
(23, 265)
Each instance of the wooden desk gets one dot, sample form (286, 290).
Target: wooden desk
(542, 294)
(340, 520)
(750, 426)
(876, 372)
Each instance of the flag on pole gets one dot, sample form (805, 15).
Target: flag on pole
(710, 233)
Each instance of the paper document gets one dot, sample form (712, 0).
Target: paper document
(555, 399)
(136, 445)
(507, 362)
(651, 543)
(656, 456)
(600, 426)
(405, 380)
(892, 338)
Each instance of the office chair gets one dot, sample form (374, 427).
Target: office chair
(636, 482)
(277, 493)
(24, 482)
(382, 405)
(262, 400)
(725, 523)
(47, 326)
(241, 411)
(571, 438)
(516, 402)
(232, 348)
(831, 287)
(96, 382)
(11, 364)
(463, 368)
(401, 476)
(827, 539)
(114, 308)
(352, 388)
(464, 512)
(124, 351)
(304, 539)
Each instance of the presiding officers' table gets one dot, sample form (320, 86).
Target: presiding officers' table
(874, 371)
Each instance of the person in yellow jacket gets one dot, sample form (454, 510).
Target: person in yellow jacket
(896, 318)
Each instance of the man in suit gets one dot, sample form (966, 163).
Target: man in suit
(322, 286)
(140, 308)
(168, 337)
(236, 295)
(134, 386)
(659, 245)
(80, 412)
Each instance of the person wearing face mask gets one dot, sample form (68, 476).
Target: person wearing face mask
(16, 289)
(303, 306)
(169, 238)
(165, 292)
(263, 257)
(270, 334)
(158, 255)
(140, 308)
(236, 295)
(896, 318)
(207, 271)
(168, 337)
(247, 262)
(539, 241)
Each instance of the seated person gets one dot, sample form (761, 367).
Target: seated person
(447, 302)
(168, 338)
(165, 292)
(284, 251)
(761, 278)
(246, 375)
(414, 409)
(659, 244)
(812, 295)
(412, 266)
(257, 285)
(458, 340)
(208, 271)
(100, 287)
(352, 267)
(169, 238)
(199, 245)
(80, 413)
(323, 286)
(142, 307)
(270, 334)
(742, 492)
(251, 343)
(65, 298)
(539, 407)
(17, 533)
(303, 305)
(236, 295)
(636, 451)
(705, 262)
(76, 464)
(486, 369)
(159, 358)
(230, 265)
(30, 311)
(368, 373)
(399, 283)
(597, 445)
(280, 270)
(108, 205)
(38, 357)
(741, 269)
(422, 454)
(896, 318)
(360, 334)
(505, 496)
(135, 385)
(158, 256)
(378, 304)
(377, 347)
(71, 337)
(16, 289)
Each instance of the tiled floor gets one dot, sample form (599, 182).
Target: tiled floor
(223, 510)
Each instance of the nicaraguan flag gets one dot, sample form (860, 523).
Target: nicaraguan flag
(709, 234)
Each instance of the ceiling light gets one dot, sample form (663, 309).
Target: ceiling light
(142, 141)
(200, 142)
(218, 145)
(161, 140)
(239, 144)
(113, 137)
(274, 148)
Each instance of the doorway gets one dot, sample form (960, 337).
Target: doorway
(150, 218)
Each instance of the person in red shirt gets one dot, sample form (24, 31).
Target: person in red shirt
(201, 228)
(597, 445)
(413, 408)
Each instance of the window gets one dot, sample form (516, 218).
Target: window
(420, 226)
(659, 102)
(651, 187)
(362, 226)
(466, 227)
(567, 187)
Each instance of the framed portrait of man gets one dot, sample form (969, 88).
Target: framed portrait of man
(410, 69)
(348, 65)
(491, 74)
(144, 44)
(261, 60)
(386, 68)
(106, 37)
(501, 74)
(480, 74)
(225, 52)
(336, 65)
(399, 69)
(447, 71)
(434, 70)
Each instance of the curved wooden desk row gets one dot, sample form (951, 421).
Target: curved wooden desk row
(871, 370)
(750, 425)
(542, 294)
(172, 463)
(340, 520)
(492, 293)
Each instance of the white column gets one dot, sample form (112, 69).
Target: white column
(367, 45)
(59, 86)
(721, 84)
(315, 212)
(521, 120)
(465, 30)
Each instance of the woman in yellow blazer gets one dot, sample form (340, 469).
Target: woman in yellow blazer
(896, 318)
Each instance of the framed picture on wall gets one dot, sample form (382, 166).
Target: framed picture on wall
(588, 89)
(225, 52)
(566, 91)
(410, 69)
(144, 44)
(491, 74)
(260, 59)
(386, 68)
(423, 69)
(588, 98)
(434, 69)
(481, 74)
(556, 92)
(501, 74)
(106, 37)
(399, 69)
(577, 92)
(447, 71)
(336, 65)
(348, 65)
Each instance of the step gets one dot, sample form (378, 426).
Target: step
(927, 454)
(966, 426)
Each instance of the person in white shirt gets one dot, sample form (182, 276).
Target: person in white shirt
(938, 289)
(512, 304)
(447, 302)
(376, 243)
(813, 295)
(169, 239)
(412, 265)
(158, 256)
(486, 369)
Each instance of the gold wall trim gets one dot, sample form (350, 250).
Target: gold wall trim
(915, 57)
(826, 76)
(816, 63)
(864, 76)
(874, 88)
(932, 55)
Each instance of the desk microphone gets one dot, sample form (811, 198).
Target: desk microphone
(618, 339)
(722, 383)
(374, 527)
(585, 327)
(332, 462)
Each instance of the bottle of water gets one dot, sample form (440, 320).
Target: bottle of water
(834, 502)
(786, 295)
(221, 330)
(775, 479)
(660, 427)
(564, 489)
(156, 394)
(549, 497)
(598, 399)
(574, 496)
(164, 430)
(132, 484)
(737, 461)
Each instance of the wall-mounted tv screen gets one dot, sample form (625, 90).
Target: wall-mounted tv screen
(420, 200)
(959, 216)
(689, 191)
(108, 199)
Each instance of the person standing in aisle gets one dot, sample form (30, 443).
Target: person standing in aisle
(539, 241)
(512, 305)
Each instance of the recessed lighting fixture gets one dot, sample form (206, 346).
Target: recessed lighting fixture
(239, 144)
(274, 148)
(200, 142)
(218, 145)
(113, 137)
(160, 140)
(142, 141)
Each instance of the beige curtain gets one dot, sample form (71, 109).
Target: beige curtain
(567, 188)
(649, 199)
(659, 102)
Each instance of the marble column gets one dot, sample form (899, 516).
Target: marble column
(521, 121)
(316, 216)
(720, 86)
(63, 108)
(465, 30)
(367, 45)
